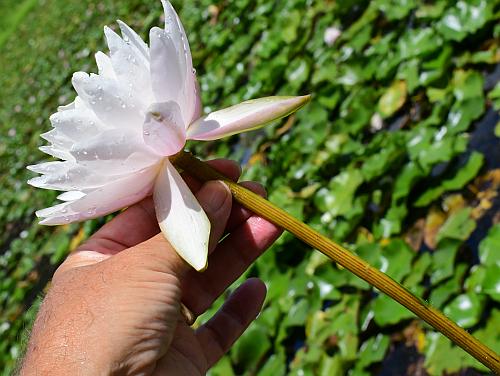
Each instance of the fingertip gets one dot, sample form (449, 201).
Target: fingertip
(215, 197)
(255, 188)
(227, 167)
(258, 288)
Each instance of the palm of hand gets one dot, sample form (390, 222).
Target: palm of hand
(115, 303)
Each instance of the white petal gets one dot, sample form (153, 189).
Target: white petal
(77, 124)
(173, 27)
(167, 73)
(243, 117)
(130, 36)
(109, 100)
(47, 167)
(69, 106)
(104, 65)
(57, 139)
(64, 176)
(71, 196)
(114, 151)
(181, 218)
(130, 66)
(164, 129)
(107, 199)
(57, 152)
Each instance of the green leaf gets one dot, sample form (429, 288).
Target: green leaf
(417, 42)
(465, 310)
(338, 198)
(298, 72)
(441, 356)
(388, 312)
(467, 85)
(457, 226)
(494, 96)
(443, 291)
(222, 368)
(465, 18)
(462, 177)
(489, 248)
(275, 365)
(373, 350)
(394, 9)
(396, 258)
(443, 260)
(251, 347)
(491, 282)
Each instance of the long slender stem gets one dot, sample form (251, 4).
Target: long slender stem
(341, 256)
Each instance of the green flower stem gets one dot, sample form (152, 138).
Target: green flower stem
(346, 259)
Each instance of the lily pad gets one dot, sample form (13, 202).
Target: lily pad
(489, 248)
(465, 310)
(462, 177)
(393, 99)
(465, 18)
(458, 226)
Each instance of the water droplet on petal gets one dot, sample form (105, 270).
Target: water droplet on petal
(146, 133)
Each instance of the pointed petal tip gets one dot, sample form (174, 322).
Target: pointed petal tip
(246, 116)
(181, 219)
(201, 267)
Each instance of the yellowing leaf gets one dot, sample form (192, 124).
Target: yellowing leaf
(393, 99)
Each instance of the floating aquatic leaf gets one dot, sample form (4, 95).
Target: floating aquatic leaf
(489, 248)
(465, 309)
(458, 226)
(462, 177)
(465, 18)
(393, 99)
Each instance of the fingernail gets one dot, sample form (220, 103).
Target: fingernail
(216, 194)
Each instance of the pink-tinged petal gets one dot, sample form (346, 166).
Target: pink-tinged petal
(243, 117)
(191, 96)
(107, 199)
(109, 100)
(167, 73)
(163, 128)
(181, 218)
(130, 36)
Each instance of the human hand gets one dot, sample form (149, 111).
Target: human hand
(114, 304)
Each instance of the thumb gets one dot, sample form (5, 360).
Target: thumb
(215, 198)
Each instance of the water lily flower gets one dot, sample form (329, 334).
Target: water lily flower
(114, 140)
